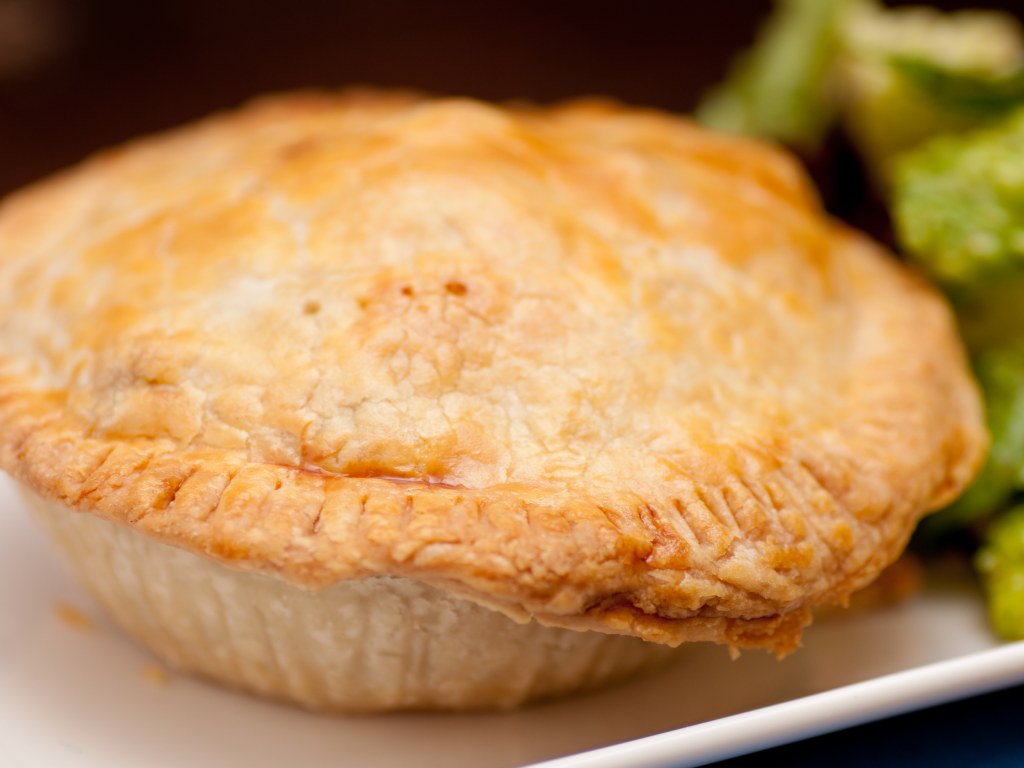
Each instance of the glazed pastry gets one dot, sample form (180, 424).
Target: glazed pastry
(326, 396)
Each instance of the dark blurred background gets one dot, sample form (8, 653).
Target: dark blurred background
(78, 75)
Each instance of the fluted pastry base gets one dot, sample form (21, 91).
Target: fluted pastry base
(358, 646)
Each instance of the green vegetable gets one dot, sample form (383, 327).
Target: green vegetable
(977, 95)
(984, 43)
(778, 89)
(958, 204)
(908, 74)
(958, 207)
(894, 76)
(1001, 565)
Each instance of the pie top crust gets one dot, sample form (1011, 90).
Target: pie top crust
(587, 364)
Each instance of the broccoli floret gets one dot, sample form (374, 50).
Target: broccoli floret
(973, 41)
(905, 75)
(778, 89)
(894, 76)
(972, 95)
(1001, 565)
(958, 204)
(958, 207)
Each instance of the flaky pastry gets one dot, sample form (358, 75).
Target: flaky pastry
(586, 365)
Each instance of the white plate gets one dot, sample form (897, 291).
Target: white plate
(85, 698)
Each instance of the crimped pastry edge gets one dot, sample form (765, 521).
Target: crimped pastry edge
(360, 646)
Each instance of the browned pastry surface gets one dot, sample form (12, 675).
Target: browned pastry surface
(588, 364)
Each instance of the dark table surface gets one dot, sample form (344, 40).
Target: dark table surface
(78, 75)
(979, 732)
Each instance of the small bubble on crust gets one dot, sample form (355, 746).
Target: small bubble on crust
(455, 288)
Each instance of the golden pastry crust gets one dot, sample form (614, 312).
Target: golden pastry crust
(587, 364)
